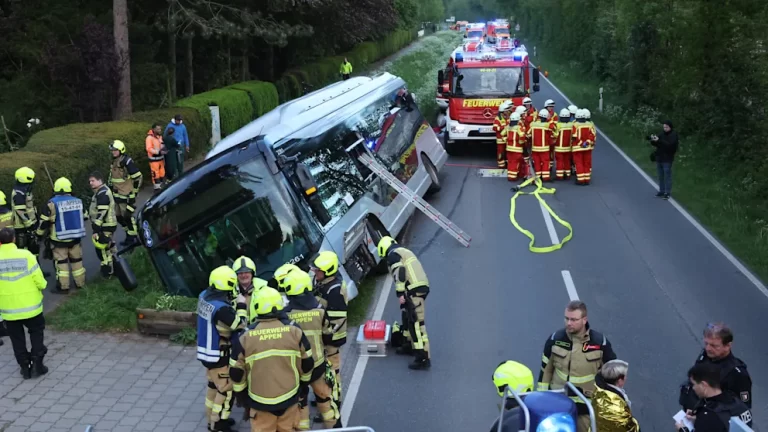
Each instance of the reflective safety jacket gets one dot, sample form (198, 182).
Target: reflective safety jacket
(272, 359)
(307, 314)
(6, 217)
(64, 218)
(515, 138)
(21, 284)
(574, 358)
(553, 117)
(23, 202)
(333, 298)
(346, 68)
(407, 272)
(541, 135)
(531, 115)
(124, 177)
(102, 211)
(500, 127)
(563, 137)
(216, 321)
(583, 136)
(154, 146)
(612, 410)
(243, 309)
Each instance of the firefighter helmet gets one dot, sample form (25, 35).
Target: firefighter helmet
(587, 114)
(297, 282)
(282, 272)
(580, 113)
(520, 109)
(223, 279)
(117, 145)
(544, 114)
(564, 113)
(2, 198)
(244, 265)
(25, 175)
(505, 106)
(527, 101)
(266, 301)
(385, 243)
(572, 108)
(515, 116)
(62, 185)
(513, 374)
(327, 262)
(549, 103)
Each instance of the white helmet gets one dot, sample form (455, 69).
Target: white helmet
(564, 113)
(505, 106)
(527, 101)
(587, 114)
(549, 103)
(515, 116)
(520, 109)
(580, 113)
(572, 109)
(544, 114)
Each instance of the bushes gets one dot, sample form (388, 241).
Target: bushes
(263, 95)
(235, 107)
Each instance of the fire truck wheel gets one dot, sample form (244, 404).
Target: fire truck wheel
(432, 172)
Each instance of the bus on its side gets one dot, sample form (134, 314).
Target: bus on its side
(289, 185)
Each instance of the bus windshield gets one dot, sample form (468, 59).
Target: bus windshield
(236, 210)
(494, 81)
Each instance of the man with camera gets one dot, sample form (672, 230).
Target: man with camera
(664, 154)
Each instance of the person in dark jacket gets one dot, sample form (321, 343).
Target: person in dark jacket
(666, 146)
(174, 153)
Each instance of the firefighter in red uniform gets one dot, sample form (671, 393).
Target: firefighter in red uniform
(549, 105)
(500, 127)
(540, 134)
(563, 145)
(582, 143)
(515, 145)
(524, 168)
(530, 111)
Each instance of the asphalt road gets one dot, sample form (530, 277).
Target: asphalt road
(651, 282)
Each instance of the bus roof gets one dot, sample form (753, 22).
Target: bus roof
(298, 113)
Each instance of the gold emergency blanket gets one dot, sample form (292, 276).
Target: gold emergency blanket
(612, 413)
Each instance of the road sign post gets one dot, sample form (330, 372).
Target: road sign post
(600, 102)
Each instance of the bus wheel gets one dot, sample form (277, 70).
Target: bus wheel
(376, 230)
(432, 172)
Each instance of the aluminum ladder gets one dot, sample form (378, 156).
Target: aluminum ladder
(417, 201)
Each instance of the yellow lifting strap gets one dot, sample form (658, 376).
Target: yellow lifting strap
(537, 193)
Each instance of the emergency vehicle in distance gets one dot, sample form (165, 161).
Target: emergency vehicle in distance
(475, 32)
(497, 30)
(290, 184)
(472, 87)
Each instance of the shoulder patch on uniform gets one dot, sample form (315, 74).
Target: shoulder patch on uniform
(744, 396)
(746, 416)
(563, 344)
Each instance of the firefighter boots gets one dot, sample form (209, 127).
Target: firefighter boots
(38, 368)
(26, 370)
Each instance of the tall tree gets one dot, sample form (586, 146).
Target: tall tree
(123, 108)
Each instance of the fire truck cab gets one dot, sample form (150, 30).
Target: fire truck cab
(474, 84)
(497, 31)
(475, 32)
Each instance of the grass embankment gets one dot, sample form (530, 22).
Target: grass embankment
(703, 183)
(103, 305)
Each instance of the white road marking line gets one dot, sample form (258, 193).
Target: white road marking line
(719, 246)
(550, 225)
(362, 361)
(572, 294)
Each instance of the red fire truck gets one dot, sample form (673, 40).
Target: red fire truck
(497, 31)
(472, 87)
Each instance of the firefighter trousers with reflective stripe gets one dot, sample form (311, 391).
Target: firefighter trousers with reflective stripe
(541, 164)
(563, 165)
(417, 331)
(278, 421)
(514, 165)
(219, 398)
(501, 149)
(325, 404)
(333, 354)
(583, 161)
(105, 252)
(66, 258)
(124, 209)
(36, 328)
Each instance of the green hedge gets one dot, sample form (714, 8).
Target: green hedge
(75, 150)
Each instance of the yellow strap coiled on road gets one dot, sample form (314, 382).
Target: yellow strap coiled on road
(539, 190)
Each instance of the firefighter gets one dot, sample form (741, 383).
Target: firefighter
(6, 215)
(103, 222)
(515, 146)
(216, 322)
(24, 211)
(563, 146)
(125, 181)
(412, 289)
(332, 295)
(273, 403)
(500, 127)
(525, 171)
(549, 105)
(304, 310)
(247, 285)
(575, 354)
(541, 136)
(531, 115)
(156, 155)
(582, 143)
(572, 110)
(63, 220)
(517, 376)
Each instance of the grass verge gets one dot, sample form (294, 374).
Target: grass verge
(358, 307)
(703, 183)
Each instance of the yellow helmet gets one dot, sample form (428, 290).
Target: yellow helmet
(282, 272)
(244, 265)
(266, 301)
(223, 279)
(328, 262)
(2, 198)
(62, 185)
(117, 145)
(513, 374)
(297, 282)
(384, 244)
(25, 175)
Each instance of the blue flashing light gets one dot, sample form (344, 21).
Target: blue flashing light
(459, 58)
(371, 144)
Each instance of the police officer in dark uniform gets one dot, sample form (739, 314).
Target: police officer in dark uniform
(734, 377)
(715, 408)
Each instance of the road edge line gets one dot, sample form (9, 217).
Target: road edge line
(716, 243)
(569, 285)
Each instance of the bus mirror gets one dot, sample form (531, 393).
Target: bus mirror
(440, 77)
(306, 180)
(535, 76)
(124, 272)
(269, 156)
